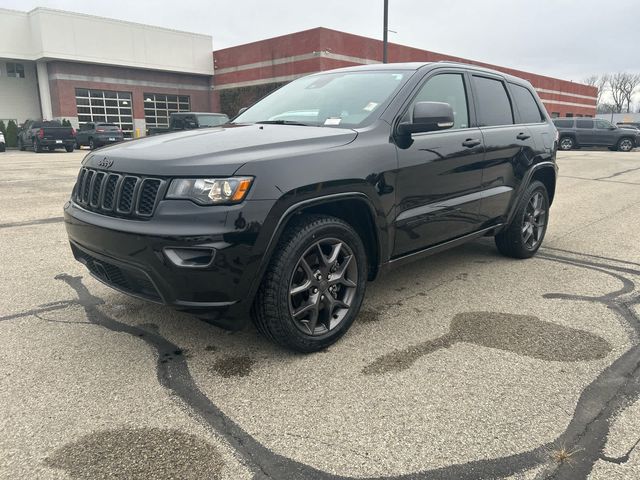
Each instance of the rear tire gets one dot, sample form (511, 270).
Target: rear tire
(314, 285)
(524, 235)
(37, 148)
(567, 143)
(92, 145)
(625, 145)
(69, 148)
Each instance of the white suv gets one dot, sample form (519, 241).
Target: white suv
(2, 145)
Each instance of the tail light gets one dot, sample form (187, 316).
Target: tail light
(41, 133)
(99, 130)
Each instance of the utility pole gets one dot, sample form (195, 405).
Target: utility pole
(385, 31)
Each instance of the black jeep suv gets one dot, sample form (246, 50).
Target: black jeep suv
(286, 212)
(595, 132)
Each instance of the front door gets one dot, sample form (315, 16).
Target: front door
(605, 133)
(440, 173)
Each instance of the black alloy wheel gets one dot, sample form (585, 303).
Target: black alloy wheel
(524, 235)
(313, 287)
(323, 286)
(535, 221)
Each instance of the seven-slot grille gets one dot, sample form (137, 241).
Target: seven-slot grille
(117, 194)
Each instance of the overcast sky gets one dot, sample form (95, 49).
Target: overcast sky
(569, 39)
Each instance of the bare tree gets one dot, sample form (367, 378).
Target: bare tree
(600, 82)
(631, 83)
(617, 87)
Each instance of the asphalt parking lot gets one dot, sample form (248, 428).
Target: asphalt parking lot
(463, 365)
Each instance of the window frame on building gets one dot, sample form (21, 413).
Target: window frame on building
(17, 70)
(106, 106)
(156, 115)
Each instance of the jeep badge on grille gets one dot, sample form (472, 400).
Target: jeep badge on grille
(105, 162)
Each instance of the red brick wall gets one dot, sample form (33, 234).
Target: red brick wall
(341, 43)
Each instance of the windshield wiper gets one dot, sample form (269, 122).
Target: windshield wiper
(285, 122)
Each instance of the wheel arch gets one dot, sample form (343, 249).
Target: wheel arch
(546, 175)
(356, 208)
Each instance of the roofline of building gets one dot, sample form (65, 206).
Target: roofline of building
(464, 60)
(109, 19)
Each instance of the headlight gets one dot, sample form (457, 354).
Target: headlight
(210, 191)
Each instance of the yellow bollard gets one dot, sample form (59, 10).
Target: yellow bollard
(137, 133)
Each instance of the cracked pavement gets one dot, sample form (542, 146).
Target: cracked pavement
(463, 365)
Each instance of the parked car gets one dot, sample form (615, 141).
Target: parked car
(2, 142)
(288, 219)
(179, 121)
(98, 134)
(40, 135)
(595, 132)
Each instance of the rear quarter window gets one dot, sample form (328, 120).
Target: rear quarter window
(584, 124)
(526, 104)
(563, 123)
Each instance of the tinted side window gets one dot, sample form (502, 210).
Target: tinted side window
(493, 102)
(603, 124)
(563, 123)
(526, 104)
(584, 123)
(447, 88)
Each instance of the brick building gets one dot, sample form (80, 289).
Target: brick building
(247, 72)
(56, 64)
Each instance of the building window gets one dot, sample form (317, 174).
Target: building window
(569, 115)
(555, 114)
(158, 107)
(15, 70)
(105, 106)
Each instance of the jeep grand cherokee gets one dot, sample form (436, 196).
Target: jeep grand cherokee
(285, 213)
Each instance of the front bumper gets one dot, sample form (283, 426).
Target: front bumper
(131, 256)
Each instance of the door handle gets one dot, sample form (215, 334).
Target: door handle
(471, 142)
(522, 136)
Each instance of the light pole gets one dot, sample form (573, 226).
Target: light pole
(385, 31)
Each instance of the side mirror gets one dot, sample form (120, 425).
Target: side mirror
(428, 117)
(612, 127)
(242, 110)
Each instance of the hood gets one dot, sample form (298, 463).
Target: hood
(216, 151)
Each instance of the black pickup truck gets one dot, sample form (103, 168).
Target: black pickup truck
(190, 121)
(40, 135)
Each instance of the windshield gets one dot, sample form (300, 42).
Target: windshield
(212, 120)
(341, 99)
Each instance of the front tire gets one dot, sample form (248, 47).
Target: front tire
(314, 285)
(625, 145)
(567, 143)
(92, 145)
(523, 237)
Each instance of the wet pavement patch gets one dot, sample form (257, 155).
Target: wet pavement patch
(521, 334)
(138, 453)
(368, 316)
(233, 366)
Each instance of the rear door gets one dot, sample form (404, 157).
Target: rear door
(438, 182)
(510, 147)
(585, 134)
